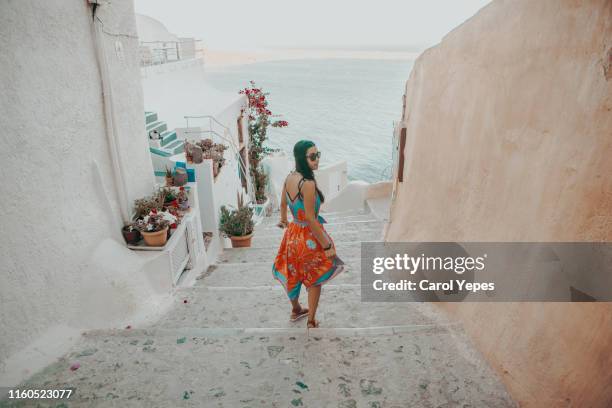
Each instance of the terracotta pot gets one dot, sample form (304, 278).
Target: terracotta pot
(242, 241)
(131, 237)
(180, 177)
(188, 150)
(156, 239)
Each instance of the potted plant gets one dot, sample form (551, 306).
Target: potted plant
(183, 199)
(218, 161)
(131, 234)
(188, 148)
(169, 196)
(180, 177)
(214, 151)
(169, 177)
(237, 224)
(154, 227)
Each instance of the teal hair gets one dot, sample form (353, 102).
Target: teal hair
(301, 163)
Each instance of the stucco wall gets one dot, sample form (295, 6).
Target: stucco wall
(59, 201)
(509, 138)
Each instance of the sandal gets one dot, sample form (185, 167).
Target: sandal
(312, 324)
(297, 316)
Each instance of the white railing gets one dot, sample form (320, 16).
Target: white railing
(162, 52)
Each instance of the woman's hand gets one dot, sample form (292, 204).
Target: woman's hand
(331, 252)
(282, 224)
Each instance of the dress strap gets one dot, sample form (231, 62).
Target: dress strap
(299, 193)
(300, 183)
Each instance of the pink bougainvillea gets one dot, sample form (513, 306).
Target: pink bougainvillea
(259, 115)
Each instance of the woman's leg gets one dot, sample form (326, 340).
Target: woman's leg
(314, 292)
(295, 306)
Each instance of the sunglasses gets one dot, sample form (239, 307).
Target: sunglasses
(314, 156)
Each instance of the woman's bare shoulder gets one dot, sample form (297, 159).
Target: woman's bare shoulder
(308, 185)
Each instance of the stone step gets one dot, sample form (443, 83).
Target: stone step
(175, 147)
(158, 125)
(159, 152)
(432, 366)
(150, 117)
(336, 232)
(332, 228)
(269, 307)
(332, 218)
(274, 240)
(167, 137)
(335, 226)
(344, 250)
(260, 274)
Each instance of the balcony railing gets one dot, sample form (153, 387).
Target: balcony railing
(163, 52)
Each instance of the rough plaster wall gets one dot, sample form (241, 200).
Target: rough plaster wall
(119, 18)
(509, 138)
(55, 210)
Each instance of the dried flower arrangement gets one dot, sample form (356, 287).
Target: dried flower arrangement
(144, 206)
(155, 221)
(158, 212)
(210, 150)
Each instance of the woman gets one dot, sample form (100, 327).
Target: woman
(307, 254)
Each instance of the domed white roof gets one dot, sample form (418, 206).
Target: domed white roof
(150, 29)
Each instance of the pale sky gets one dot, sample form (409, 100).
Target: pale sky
(374, 24)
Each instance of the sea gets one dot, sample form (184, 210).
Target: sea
(345, 106)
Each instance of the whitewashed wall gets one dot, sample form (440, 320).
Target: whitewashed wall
(59, 201)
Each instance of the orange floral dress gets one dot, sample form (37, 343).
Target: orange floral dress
(301, 258)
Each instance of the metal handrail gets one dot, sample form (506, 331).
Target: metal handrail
(159, 51)
(235, 149)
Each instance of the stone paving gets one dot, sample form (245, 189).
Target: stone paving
(227, 342)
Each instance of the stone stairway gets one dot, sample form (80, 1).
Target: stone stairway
(227, 342)
(168, 144)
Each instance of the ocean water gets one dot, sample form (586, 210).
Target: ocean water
(346, 106)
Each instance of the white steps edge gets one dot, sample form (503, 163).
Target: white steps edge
(261, 287)
(264, 227)
(281, 331)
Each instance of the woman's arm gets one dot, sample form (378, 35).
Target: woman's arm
(309, 193)
(283, 207)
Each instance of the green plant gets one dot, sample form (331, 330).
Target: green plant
(168, 194)
(259, 179)
(237, 222)
(168, 172)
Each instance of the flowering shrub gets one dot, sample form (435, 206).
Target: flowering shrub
(259, 119)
